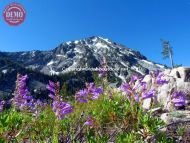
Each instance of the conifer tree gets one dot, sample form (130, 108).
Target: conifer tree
(167, 52)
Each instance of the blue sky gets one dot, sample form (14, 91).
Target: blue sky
(138, 24)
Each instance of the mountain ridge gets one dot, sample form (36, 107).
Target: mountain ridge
(95, 47)
(85, 53)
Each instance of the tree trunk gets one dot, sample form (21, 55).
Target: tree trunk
(171, 58)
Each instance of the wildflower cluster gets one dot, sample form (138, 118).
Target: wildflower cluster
(91, 92)
(98, 120)
(160, 79)
(22, 99)
(59, 107)
(138, 90)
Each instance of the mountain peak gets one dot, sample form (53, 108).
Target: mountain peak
(86, 52)
(98, 38)
(89, 40)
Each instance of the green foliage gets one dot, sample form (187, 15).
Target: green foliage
(180, 130)
(162, 138)
(128, 138)
(10, 123)
(150, 123)
(23, 125)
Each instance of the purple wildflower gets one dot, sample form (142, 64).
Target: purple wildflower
(155, 73)
(143, 86)
(140, 86)
(22, 99)
(160, 79)
(149, 94)
(91, 92)
(52, 88)
(134, 78)
(82, 95)
(60, 108)
(90, 86)
(178, 99)
(96, 93)
(125, 87)
(89, 121)
(136, 97)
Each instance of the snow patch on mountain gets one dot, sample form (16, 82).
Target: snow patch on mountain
(78, 50)
(76, 42)
(50, 63)
(161, 66)
(100, 46)
(137, 70)
(68, 43)
(4, 71)
(148, 62)
(33, 53)
(24, 53)
(60, 55)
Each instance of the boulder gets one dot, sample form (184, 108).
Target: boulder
(180, 72)
(176, 116)
(147, 103)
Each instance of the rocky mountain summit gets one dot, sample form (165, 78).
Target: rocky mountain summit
(86, 53)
